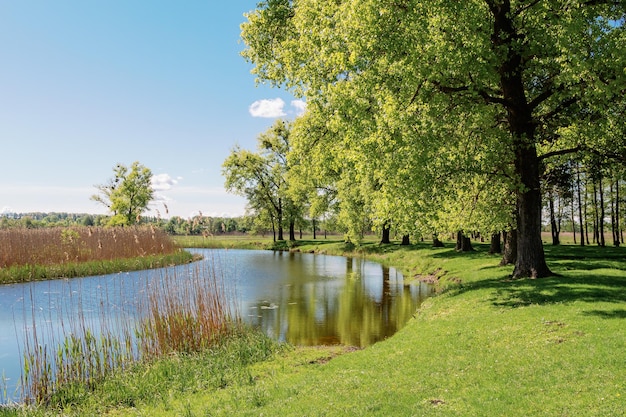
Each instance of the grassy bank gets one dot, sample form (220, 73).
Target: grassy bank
(484, 346)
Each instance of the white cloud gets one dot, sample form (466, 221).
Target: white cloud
(299, 105)
(163, 182)
(268, 108)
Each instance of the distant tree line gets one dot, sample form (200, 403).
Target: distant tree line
(198, 225)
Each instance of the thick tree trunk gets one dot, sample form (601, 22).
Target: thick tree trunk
(386, 234)
(531, 260)
(509, 254)
(292, 230)
(463, 243)
(496, 245)
(505, 38)
(406, 240)
(436, 242)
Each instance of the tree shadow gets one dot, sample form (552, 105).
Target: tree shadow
(607, 314)
(559, 289)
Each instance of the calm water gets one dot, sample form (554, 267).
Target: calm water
(303, 299)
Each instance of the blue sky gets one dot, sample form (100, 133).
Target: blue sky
(87, 84)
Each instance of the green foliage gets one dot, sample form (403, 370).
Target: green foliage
(127, 194)
(431, 116)
(262, 178)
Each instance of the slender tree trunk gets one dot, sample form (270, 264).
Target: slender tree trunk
(509, 254)
(496, 245)
(573, 222)
(314, 229)
(596, 234)
(601, 218)
(580, 208)
(553, 226)
(616, 236)
(406, 240)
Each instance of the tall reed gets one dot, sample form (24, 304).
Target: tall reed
(58, 245)
(183, 310)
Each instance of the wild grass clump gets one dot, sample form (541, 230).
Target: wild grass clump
(182, 313)
(186, 318)
(33, 254)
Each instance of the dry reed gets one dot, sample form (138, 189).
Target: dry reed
(21, 246)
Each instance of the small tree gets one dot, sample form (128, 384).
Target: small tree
(127, 194)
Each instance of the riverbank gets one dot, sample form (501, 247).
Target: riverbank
(484, 345)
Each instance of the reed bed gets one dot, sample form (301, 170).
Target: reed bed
(38, 254)
(58, 245)
(185, 310)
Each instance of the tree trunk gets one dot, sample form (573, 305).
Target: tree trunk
(386, 234)
(580, 208)
(554, 230)
(292, 230)
(601, 218)
(496, 245)
(279, 220)
(463, 243)
(509, 254)
(406, 240)
(314, 229)
(596, 234)
(505, 39)
(615, 209)
(436, 242)
(573, 220)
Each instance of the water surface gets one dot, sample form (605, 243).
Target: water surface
(304, 299)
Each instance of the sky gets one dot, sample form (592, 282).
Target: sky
(85, 85)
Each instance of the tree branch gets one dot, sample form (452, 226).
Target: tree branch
(560, 152)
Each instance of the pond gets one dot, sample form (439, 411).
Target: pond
(303, 299)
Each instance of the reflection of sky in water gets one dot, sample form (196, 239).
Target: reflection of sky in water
(301, 298)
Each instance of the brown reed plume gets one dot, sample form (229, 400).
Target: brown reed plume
(50, 246)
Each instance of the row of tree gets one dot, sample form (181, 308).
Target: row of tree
(436, 116)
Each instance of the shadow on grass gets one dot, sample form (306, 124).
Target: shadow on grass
(589, 288)
(607, 314)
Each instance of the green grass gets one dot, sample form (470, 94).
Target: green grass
(27, 273)
(484, 346)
